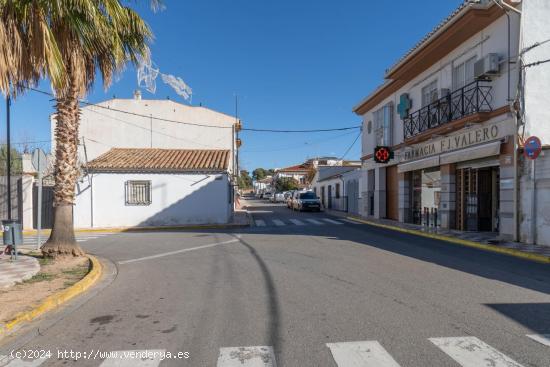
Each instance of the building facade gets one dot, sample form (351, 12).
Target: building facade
(150, 187)
(337, 186)
(448, 110)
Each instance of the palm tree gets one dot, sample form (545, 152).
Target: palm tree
(68, 41)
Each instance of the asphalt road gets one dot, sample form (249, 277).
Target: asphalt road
(304, 286)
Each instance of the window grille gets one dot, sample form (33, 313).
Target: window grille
(138, 192)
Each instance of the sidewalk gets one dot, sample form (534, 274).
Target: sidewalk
(11, 272)
(483, 240)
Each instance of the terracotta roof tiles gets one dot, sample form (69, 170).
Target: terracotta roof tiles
(155, 159)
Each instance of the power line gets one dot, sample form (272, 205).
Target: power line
(201, 125)
(309, 143)
(536, 63)
(303, 131)
(351, 146)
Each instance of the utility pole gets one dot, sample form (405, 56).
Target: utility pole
(8, 155)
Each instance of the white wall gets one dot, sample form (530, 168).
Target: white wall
(102, 128)
(536, 28)
(493, 39)
(177, 199)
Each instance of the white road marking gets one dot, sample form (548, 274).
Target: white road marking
(297, 222)
(177, 252)
(544, 339)
(349, 221)
(332, 221)
(315, 221)
(259, 223)
(138, 358)
(260, 356)
(469, 351)
(361, 354)
(279, 223)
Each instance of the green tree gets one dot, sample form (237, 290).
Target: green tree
(244, 180)
(15, 158)
(70, 42)
(286, 184)
(259, 174)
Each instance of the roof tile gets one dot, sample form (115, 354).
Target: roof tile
(155, 159)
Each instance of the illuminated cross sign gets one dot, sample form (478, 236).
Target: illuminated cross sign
(382, 154)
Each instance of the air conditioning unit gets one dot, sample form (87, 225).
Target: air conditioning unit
(488, 66)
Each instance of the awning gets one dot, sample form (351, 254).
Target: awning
(419, 164)
(469, 154)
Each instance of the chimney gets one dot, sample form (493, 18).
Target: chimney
(137, 95)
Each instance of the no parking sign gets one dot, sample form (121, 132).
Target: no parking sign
(532, 148)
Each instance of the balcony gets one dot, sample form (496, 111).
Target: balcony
(471, 99)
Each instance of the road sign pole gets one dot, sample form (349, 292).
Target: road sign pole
(534, 203)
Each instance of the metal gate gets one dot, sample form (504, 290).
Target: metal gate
(47, 206)
(352, 190)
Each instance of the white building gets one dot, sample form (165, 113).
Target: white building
(143, 187)
(298, 173)
(147, 123)
(446, 110)
(332, 183)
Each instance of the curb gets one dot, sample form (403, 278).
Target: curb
(55, 300)
(142, 229)
(458, 241)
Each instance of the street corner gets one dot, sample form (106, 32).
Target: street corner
(43, 287)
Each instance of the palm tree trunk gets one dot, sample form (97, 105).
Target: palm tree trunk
(62, 241)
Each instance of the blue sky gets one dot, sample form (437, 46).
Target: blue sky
(295, 64)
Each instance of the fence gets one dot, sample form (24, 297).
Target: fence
(16, 198)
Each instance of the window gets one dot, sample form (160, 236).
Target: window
(308, 196)
(463, 73)
(429, 93)
(383, 120)
(337, 190)
(138, 192)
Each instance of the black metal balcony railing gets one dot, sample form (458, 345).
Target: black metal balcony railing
(472, 98)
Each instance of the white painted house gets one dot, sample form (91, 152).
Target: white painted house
(332, 183)
(148, 123)
(143, 187)
(446, 110)
(129, 134)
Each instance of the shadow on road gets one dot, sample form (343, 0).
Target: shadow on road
(535, 316)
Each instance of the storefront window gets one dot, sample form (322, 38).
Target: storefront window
(426, 192)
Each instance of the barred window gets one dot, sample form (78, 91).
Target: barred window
(138, 192)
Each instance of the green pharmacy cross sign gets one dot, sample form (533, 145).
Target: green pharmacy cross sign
(404, 105)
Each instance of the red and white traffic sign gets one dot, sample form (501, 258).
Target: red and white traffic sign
(532, 148)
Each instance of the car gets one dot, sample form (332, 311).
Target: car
(267, 196)
(293, 198)
(279, 197)
(289, 199)
(306, 200)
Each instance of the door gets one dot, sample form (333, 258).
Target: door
(329, 199)
(392, 193)
(47, 206)
(352, 189)
(323, 196)
(485, 198)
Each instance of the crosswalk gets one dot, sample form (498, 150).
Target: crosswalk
(465, 351)
(276, 222)
(31, 240)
